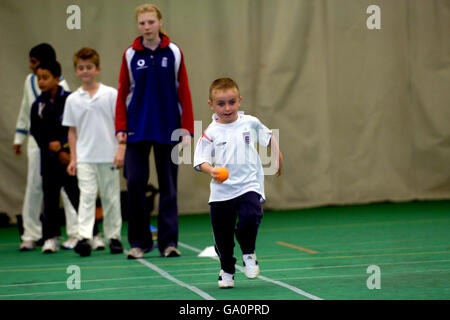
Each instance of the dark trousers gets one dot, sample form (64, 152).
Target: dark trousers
(55, 177)
(137, 173)
(247, 208)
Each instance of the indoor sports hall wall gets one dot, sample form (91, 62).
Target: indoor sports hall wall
(363, 114)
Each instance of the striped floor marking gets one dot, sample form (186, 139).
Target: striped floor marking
(166, 275)
(279, 283)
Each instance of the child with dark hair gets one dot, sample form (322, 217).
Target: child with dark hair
(32, 227)
(51, 137)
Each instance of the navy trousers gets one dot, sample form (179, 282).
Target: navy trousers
(137, 173)
(247, 209)
(55, 177)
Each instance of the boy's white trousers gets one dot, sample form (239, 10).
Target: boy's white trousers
(105, 178)
(32, 204)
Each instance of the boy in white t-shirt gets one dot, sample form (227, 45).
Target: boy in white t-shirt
(230, 140)
(89, 114)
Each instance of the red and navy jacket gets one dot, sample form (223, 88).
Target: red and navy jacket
(153, 96)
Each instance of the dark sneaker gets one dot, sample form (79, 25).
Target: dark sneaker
(40, 242)
(115, 246)
(83, 248)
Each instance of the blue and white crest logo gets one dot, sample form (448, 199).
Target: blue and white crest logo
(164, 62)
(141, 62)
(246, 136)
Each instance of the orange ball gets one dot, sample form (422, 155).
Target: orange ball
(223, 174)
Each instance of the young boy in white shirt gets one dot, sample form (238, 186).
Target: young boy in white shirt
(90, 115)
(229, 142)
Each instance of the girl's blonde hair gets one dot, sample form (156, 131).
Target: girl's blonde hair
(149, 8)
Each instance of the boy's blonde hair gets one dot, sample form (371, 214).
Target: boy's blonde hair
(222, 84)
(87, 54)
(149, 8)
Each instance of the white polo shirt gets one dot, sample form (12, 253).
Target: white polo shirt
(94, 120)
(233, 146)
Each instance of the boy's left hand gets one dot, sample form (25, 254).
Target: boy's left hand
(279, 164)
(72, 168)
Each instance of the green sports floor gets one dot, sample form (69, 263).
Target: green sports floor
(329, 253)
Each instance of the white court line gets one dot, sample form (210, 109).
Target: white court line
(83, 281)
(365, 276)
(166, 275)
(282, 284)
(199, 283)
(357, 265)
(203, 269)
(80, 291)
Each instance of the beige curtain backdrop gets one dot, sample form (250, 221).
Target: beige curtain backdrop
(363, 115)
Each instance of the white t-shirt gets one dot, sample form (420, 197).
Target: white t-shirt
(94, 119)
(233, 146)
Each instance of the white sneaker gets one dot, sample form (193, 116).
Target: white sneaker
(171, 252)
(97, 243)
(251, 267)
(135, 253)
(27, 245)
(50, 245)
(226, 280)
(69, 243)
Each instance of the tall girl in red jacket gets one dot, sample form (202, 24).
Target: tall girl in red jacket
(153, 101)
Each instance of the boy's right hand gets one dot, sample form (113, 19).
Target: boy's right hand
(121, 137)
(215, 174)
(212, 171)
(72, 168)
(119, 158)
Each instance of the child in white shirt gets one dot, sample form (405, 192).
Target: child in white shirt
(89, 113)
(229, 140)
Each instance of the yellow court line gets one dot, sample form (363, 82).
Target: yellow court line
(352, 250)
(357, 256)
(383, 223)
(385, 249)
(281, 243)
(340, 244)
